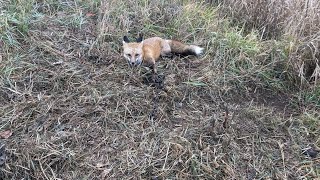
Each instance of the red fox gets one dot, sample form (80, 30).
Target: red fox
(149, 50)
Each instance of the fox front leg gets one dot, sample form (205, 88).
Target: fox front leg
(154, 72)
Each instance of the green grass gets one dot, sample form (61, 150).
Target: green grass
(312, 122)
(15, 19)
(76, 110)
(313, 96)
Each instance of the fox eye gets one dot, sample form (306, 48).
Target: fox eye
(129, 55)
(136, 55)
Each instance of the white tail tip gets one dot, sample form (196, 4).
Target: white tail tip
(198, 50)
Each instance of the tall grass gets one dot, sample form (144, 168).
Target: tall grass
(296, 22)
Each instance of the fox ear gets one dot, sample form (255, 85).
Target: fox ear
(125, 39)
(140, 38)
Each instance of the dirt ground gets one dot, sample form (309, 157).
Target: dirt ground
(71, 108)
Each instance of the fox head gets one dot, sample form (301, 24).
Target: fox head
(132, 51)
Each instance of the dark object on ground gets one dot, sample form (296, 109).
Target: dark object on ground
(157, 81)
(312, 152)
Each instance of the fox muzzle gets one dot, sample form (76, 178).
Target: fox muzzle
(136, 62)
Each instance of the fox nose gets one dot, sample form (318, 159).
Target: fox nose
(132, 63)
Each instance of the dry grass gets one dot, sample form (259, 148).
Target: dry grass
(296, 21)
(77, 111)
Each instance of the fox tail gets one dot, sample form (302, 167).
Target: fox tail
(183, 49)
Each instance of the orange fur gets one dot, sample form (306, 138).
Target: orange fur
(149, 50)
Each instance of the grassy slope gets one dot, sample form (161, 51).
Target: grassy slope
(77, 111)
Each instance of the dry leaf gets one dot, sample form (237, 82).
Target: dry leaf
(90, 14)
(5, 134)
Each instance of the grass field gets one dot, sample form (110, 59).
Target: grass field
(71, 107)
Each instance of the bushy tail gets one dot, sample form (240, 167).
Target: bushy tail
(183, 49)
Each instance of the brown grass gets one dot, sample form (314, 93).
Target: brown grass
(296, 20)
(77, 111)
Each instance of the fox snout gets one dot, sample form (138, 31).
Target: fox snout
(132, 64)
(136, 62)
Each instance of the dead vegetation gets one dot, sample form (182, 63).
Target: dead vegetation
(71, 108)
(294, 21)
